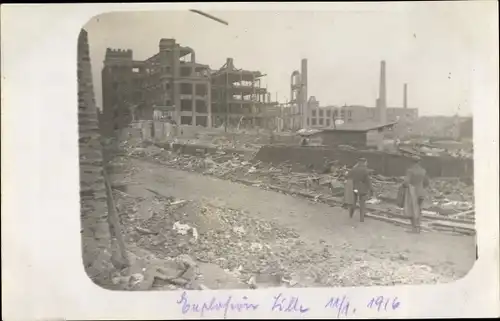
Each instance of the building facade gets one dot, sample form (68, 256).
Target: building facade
(325, 117)
(173, 78)
(169, 79)
(121, 92)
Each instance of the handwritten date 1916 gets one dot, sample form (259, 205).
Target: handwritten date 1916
(384, 303)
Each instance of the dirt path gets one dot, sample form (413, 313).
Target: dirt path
(315, 222)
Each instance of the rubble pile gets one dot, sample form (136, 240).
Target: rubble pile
(240, 139)
(183, 235)
(447, 196)
(179, 244)
(451, 198)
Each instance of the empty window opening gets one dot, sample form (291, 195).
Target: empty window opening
(321, 121)
(201, 121)
(314, 113)
(186, 71)
(313, 121)
(186, 105)
(201, 107)
(320, 113)
(187, 58)
(201, 90)
(186, 120)
(186, 89)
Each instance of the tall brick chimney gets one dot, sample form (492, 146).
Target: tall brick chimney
(303, 91)
(405, 96)
(382, 102)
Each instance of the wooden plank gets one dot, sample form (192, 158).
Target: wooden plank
(115, 225)
(453, 225)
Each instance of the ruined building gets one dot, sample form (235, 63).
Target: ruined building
(121, 89)
(238, 97)
(169, 79)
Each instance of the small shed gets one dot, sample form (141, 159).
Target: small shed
(358, 135)
(313, 136)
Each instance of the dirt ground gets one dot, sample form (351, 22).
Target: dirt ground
(330, 249)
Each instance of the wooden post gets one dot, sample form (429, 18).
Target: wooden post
(121, 258)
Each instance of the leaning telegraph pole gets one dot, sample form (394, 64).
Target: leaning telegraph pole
(209, 16)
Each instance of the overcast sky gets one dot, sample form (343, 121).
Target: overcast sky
(434, 47)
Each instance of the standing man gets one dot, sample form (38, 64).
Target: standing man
(415, 183)
(362, 186)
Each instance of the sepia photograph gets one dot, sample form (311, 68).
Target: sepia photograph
(265, 149)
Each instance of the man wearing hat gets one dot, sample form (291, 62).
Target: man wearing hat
(362, 186)
(415, 183)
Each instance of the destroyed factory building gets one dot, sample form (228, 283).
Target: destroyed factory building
(239, 99)
(173, 83)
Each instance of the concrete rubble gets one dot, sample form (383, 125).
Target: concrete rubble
(234, 250)
(240, 139)
(182, 244)
(451, 200)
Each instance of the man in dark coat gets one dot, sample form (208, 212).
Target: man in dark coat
(362, 186)
(416, 181)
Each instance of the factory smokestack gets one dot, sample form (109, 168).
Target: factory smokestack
(382, 102)
(304, 98)
(405, 96)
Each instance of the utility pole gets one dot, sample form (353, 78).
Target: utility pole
(209, 16)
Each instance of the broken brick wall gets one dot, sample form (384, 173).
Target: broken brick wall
(96, 237)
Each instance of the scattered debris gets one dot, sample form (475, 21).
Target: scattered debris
(186, 249)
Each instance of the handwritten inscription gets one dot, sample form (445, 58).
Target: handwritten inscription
(226, 304)
(341, 305)
(288, 304)
(383, 303)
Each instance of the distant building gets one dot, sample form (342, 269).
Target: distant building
(443, 127)
(466, 129)
(324, 117)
